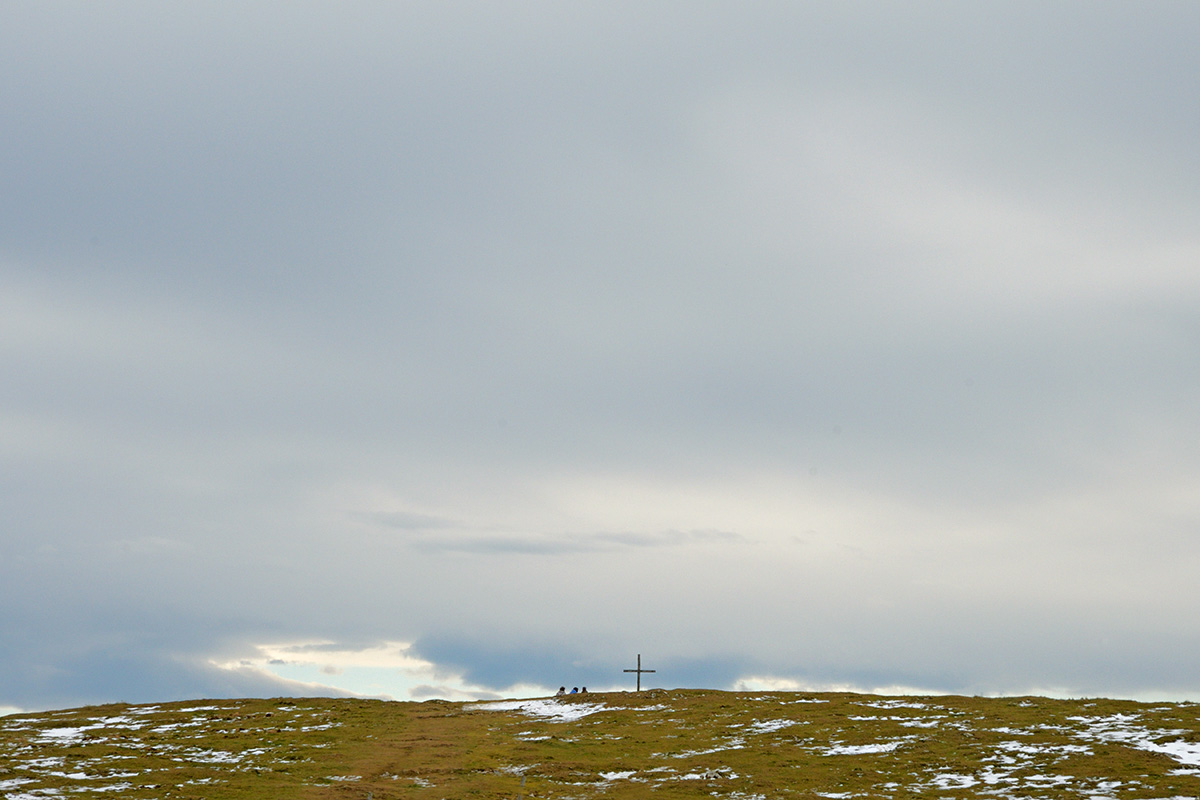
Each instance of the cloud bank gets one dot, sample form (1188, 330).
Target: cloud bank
(826, 344)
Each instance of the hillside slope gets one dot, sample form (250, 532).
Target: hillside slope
(677, 743)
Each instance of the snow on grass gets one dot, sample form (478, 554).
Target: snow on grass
(719, 773)
(74, 734)
(931, 722)
(1007, 731)
(1183, 752)
(770, 725)
(861, 749)
(735, 744)
(547, 709)
(121, 721)
(953, 780)
(322, 727)
(890, 704)
(13, 783)
(63, 736)
(220, 756)
(1049, 780)
(1027, 749)
(1122, 729)
(146, 710)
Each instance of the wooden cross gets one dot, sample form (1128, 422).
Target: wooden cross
(639, 672)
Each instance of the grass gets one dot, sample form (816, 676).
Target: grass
(660, 743)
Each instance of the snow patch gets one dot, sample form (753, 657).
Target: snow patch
(618, 776)
(1120, 728)
(954, 781)
(547, 709)
(894, 704)
(770, 725)
(13, 783)
(861, 749)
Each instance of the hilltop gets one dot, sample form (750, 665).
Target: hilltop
(665, 743)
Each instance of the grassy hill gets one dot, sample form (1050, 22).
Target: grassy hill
(661, 743)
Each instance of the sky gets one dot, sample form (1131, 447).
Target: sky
(467, 350)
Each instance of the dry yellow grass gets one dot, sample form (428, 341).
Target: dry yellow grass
(661, 743)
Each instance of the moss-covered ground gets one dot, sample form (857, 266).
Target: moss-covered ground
(661, 743)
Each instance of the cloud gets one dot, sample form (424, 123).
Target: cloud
(409, 521)
(135, 675)
(559, 544)
(391, 670)
(669, 538)
(823, 342)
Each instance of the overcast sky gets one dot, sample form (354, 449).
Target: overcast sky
(436, 349)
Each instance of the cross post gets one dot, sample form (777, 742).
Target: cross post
(639, 672)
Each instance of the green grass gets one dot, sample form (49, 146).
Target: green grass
(677, 743)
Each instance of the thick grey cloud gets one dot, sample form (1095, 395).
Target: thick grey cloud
(826, 342)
